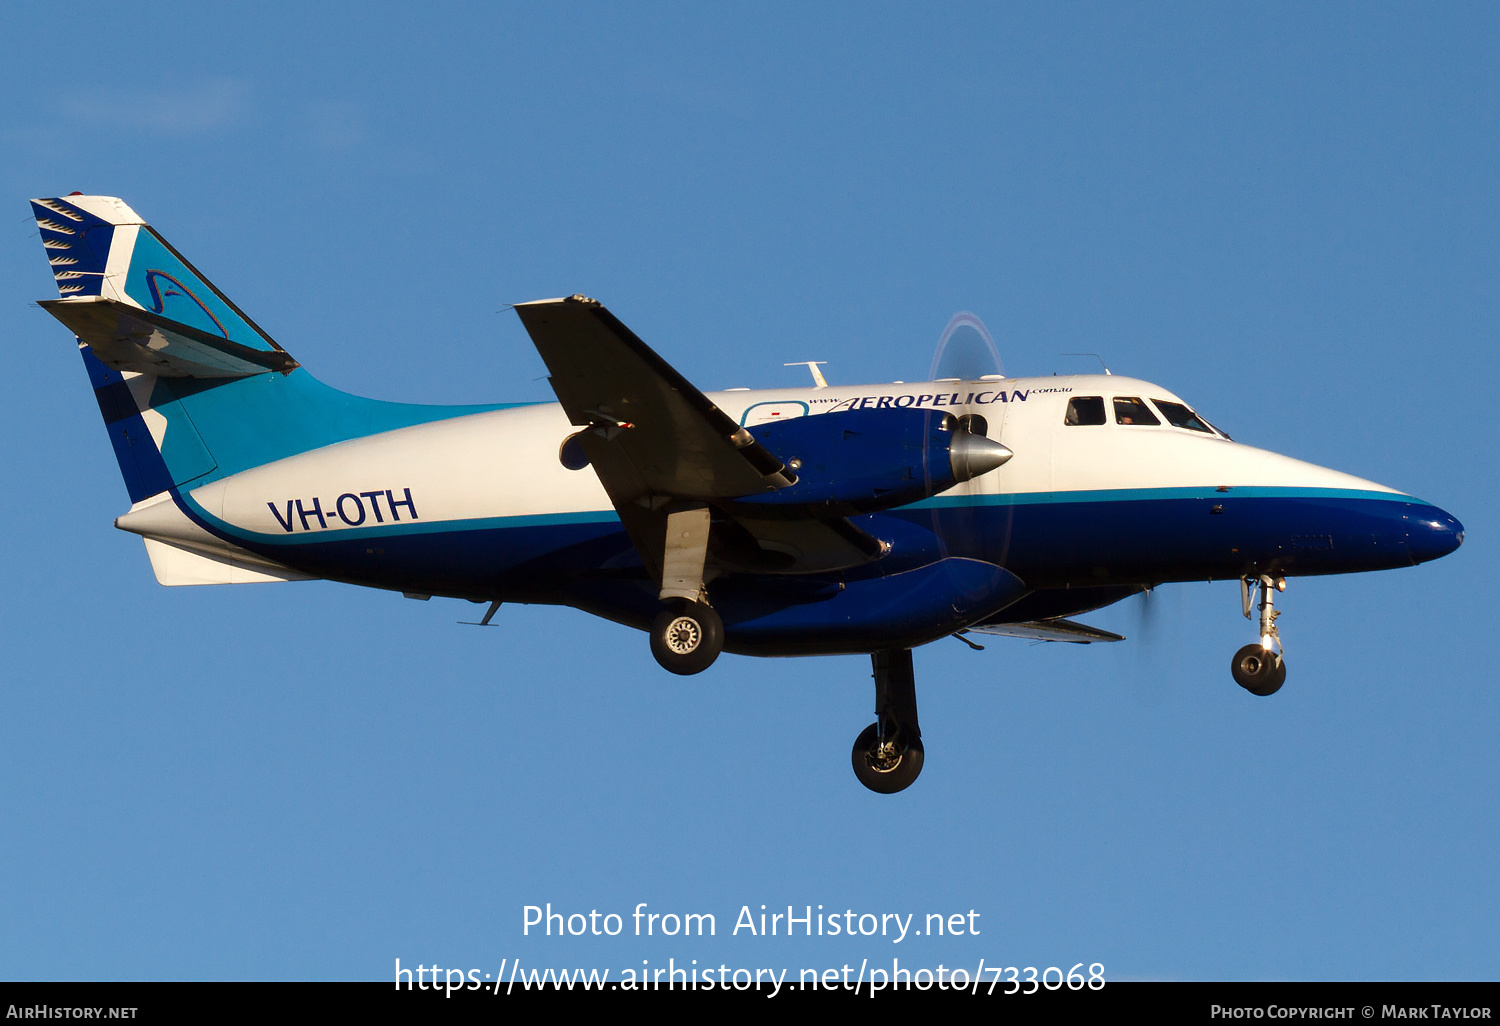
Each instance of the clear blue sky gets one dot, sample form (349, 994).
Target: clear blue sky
(1285, 213)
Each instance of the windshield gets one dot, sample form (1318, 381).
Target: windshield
(1180, 416)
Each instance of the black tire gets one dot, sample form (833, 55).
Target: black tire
(1258, 671)
(885, 774)
(687, 637)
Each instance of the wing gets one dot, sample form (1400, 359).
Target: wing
(670, 437)
(660, 445)
(1050, 630)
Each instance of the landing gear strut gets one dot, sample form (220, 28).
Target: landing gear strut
(1260, 669)
(888, 754)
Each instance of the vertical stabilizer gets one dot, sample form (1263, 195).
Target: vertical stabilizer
(190, 388)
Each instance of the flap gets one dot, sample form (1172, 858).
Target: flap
(806, 546)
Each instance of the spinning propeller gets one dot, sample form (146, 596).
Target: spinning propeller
(965, 351)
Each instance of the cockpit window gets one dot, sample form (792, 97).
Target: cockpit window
(1130, 410)
(1085, 410)
(1179, 415)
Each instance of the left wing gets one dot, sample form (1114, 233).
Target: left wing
(665, 437)
(661, 447)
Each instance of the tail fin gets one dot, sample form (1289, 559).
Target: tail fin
(143, 313)
(190, 387)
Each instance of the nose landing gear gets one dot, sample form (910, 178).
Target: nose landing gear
(1258, 671)
(1260, 668)
(888, 754)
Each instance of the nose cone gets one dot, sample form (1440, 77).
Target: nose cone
(1431, 533)
(972, 455)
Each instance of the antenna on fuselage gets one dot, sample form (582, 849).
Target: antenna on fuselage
(818, 380)
(1094, 355)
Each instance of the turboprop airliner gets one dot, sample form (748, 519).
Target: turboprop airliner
(865, 519)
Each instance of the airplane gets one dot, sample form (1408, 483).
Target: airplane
(832, 519)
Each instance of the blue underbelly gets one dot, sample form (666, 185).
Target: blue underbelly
(1057, 541)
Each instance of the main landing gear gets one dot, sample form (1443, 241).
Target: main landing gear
(1260, 669)
(887, 754)
(687, 635)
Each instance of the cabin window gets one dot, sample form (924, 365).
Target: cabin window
(1085, 410)
(1180, 416)
(1130, 410)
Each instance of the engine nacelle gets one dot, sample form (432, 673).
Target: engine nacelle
(863, 461)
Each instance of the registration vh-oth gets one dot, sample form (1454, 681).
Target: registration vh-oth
(865, 519)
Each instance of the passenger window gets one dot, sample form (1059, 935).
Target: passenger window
(1129, 410)
(974, 424)
(1179, 415)
(1085, 410)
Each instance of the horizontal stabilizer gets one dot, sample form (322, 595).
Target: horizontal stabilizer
(128, 338)
(1050, 630)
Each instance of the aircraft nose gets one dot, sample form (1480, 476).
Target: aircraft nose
(1433, 533)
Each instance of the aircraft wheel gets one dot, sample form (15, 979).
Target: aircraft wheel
(885, 768)
(1258, 671)
(687, 637)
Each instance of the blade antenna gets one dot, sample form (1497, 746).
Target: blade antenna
(494, 607)
(818, 380)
